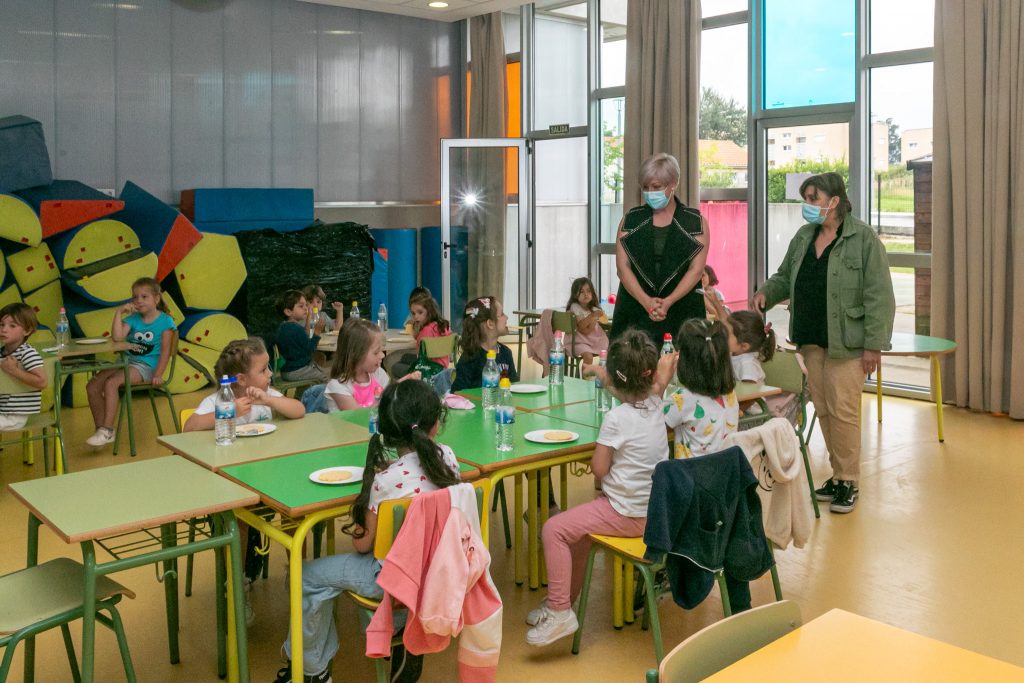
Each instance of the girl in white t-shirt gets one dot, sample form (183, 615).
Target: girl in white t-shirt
(356, 375)
(630, 444)
(402, 461)
(248, 362)
(704, 409)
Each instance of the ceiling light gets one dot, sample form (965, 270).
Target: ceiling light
(437, 4)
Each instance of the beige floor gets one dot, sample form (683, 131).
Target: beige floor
(932, 547)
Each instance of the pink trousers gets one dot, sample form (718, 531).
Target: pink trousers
(567, 543)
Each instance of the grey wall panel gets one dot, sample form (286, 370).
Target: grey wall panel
(418, 115)
(84, 54)
(338, 41)
(379, 132)
(247, 94)
(447, 55)
(144, 98)
(294, 101)
(26, 63)
(197, 98)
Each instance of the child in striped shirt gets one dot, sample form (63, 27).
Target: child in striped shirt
(22, 362)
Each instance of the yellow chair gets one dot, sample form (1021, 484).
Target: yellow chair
(45, 422)
(389, 521)
(152, 392)
(715, 647)
(440, 347)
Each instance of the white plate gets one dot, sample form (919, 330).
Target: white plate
(356, 476)
(528, 388)
(255, 429)
(94, 340)
(541, 436)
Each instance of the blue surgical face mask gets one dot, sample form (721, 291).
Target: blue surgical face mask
(813, 214)
(656, 199)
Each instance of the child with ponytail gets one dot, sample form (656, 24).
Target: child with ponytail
(402, 461)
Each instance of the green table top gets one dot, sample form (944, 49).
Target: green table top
(284, 483)
(578, 413)
(84, 506)
(359, 416)
(572, 391)
(313, 432)
(919, 345)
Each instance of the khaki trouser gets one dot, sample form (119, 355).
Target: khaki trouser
(836, 385)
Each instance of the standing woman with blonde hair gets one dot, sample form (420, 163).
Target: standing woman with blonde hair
(659, 256)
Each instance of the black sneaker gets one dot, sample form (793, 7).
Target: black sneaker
(845, 498)
(285, 676)
(827, 491)
(405, 667)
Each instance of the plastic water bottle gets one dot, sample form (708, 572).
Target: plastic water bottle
(667, 347)
(62, 329)
(313, 320)
(505, 416)
(556, 359)
(224, 412)
(353, 312)
(382, 317)
(602, 397)
(375, 412)
(490, 381)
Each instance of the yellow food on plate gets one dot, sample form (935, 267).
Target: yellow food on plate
(247, 430)
(558, 436)
(336, 475)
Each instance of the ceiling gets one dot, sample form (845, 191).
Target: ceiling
(456, 10)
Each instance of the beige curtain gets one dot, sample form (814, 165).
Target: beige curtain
(978, 201)
(486, 167)
(662, 90)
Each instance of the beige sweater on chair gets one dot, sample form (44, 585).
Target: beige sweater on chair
(788, 514)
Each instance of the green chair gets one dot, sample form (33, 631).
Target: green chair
(45, 422)
(389, 522)
(438, 347)
(565, 321)
(715, 647)
(784, 371)
(296, 386)
(152, 392)
(39, 598)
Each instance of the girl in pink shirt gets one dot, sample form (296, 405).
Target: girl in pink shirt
(356, 375)
(427, 321)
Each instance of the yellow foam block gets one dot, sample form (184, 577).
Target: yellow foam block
(99, 240)
(78, 396)
(46, 302)
(176, 315)
(11, 295)
(115, 284)
(96, 323)
(33, 267)
(18, 221)
(42, 339)
(211, 274)
(214, 331)
(186, 377)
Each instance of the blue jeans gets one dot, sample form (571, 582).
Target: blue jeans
(323, 580)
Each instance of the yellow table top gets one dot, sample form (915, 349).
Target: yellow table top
(864, 650)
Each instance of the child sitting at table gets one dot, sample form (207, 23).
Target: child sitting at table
(22, 362)
(704, 409)
(145, 322)
(590, 338)
(247, 361)
(483, 322)
(356, 375)
(427, 321)
(297, 338)
(402, 460)
(751, 342)
(631, 442)
(315, 298)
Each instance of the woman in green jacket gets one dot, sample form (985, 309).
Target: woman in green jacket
(836, 278)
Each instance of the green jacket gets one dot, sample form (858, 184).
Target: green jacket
(860, 302)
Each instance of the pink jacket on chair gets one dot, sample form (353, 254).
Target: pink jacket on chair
(438, 568)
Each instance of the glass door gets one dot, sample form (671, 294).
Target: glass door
(484, 233)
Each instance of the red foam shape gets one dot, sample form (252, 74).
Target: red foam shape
(180, 240)
(58, 215)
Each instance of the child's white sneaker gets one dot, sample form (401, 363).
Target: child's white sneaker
(553, 625)
(102, 437)
(535, 615)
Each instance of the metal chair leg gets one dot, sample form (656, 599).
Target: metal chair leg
(584, 595)
(69, 647)
(651, 615)
(122, 644)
